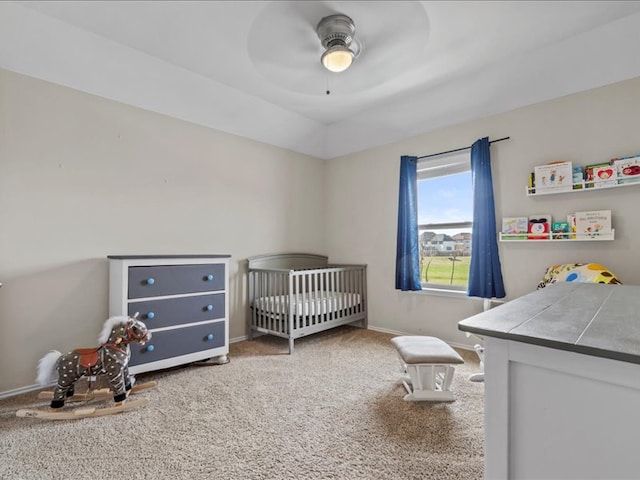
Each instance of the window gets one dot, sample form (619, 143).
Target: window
(445, 214)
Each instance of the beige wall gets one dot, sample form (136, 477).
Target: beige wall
(585, 128)
(82, 177)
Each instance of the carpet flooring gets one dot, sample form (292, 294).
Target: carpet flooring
(331, 410)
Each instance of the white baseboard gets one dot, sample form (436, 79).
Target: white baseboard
(19, 391)
(396, 332)
(386, 330)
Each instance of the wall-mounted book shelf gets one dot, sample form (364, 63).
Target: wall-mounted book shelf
(576, 188)
(557, 237)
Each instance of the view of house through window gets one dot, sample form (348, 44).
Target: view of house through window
(445, 213)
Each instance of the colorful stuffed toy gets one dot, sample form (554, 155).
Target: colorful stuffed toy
(578, 272)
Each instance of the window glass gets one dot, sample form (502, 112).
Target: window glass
(445, 212)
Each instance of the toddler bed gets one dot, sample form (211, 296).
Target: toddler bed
(296, 294)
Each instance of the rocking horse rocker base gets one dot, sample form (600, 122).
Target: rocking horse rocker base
(57, 414)
(100, 394)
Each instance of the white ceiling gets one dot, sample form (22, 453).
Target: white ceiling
(252, 68)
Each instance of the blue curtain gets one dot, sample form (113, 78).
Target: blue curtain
(485, 274)
(408, 253)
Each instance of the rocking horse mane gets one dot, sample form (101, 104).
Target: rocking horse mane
(108, 326)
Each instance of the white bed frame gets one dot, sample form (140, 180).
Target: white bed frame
(296, 294)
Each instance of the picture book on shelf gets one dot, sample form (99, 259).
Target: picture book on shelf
(628, 169)
(515, 227)
(539, 226)
(560, 230)
(578, 177)
(571, 220)
(532, 182)
(600, 175)
(593, 223)
(553, 177)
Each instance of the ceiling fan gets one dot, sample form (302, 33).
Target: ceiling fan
(289, 43)
(337, 35)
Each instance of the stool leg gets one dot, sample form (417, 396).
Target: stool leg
(416, 378)
(429, 382)
(448, 377)
(428, 376)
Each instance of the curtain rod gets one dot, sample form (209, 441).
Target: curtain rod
(460, 149)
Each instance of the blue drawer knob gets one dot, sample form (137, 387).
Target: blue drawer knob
(150, 315)
(150, 348)
(150, 281)
(210, 337)
(209, 307)
(208, 278)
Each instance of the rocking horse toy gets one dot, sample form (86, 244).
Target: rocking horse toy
(110, 359)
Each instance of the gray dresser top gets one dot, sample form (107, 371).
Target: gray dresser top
(593, 319)
(152, 257)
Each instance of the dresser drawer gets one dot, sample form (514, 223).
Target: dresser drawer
(177, 311)
(179, 341)
(160, 280)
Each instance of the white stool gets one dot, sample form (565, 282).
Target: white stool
(428, 362)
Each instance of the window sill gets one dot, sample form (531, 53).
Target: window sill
(442, 292)
(462, 294)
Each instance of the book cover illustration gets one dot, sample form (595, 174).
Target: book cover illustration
(628, 169)
(556, 177)
(578, 177)
(539, 226)
(593, 223)
(599, 175)
(515, 227)
(560, 231)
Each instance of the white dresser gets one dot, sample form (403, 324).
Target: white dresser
(183, 300)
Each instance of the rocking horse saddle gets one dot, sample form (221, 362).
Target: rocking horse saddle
(88, 357)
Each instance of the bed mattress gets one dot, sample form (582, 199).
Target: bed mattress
(310, 303)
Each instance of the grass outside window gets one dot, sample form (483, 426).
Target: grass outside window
(445, 270)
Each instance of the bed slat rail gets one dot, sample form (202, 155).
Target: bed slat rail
(332, 293)
(269, 289)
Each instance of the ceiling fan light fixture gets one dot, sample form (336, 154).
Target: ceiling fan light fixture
(336, 34)
(337, 59)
